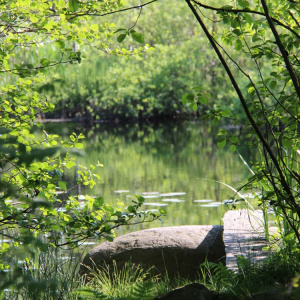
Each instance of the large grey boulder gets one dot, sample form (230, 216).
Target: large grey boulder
(177, 251)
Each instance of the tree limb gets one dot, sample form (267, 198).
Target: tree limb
(236, 11)
(110, 13)
(282, 49)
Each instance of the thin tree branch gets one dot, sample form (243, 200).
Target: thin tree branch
(295, 20)
(136, 19)
(282, 49)
(110, 13)
(236, 11)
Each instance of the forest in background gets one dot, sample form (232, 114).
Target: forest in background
(108, 86)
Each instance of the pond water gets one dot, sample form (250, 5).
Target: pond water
(175, 166)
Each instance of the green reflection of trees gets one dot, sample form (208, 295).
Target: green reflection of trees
(178, 157)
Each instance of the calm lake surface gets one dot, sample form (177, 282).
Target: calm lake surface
(175, 166)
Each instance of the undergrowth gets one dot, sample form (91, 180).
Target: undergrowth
(54, 277)
(279, 274)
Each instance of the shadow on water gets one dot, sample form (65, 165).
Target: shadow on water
(175, 166)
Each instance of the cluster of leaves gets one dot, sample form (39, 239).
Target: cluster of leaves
(37, 208)
(265, 34)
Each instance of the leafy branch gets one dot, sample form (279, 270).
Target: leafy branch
(236, 11)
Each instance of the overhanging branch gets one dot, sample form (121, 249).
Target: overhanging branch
(282, 49)
(236, 11)
(110, 13)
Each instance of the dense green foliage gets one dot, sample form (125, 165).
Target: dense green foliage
(274, 278)
(33, 217)
(108, 86)
(265, 34)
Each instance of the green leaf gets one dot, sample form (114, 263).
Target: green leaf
(62, 185)
(98, 202)
(251, 90)
(226, 19)
(238, 45)
(184, 99)
(232, 148)
(237, 32)
(139, 198)
(55, 227)
(28, 82)
(190, 97)
(108, 208)
(70, 164)
(256, 38)
(95, 27)
(162, 211)
(243, 3)
(131, 209)
(273, 84)
(215, 121)
(248, 18)
(44, 62)
(202, 100)
(33, 19)
(235, 22)
(138, 37)
(60, 44)
(287, 143)
(79, 145)
(121, 37)
(73, 5)
(221, 142)
(226, 113)
(187, 98)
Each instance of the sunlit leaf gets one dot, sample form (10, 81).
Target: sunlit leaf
(60, 44)
(78, 145)
(62, 185)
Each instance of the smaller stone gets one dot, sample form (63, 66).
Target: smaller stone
(192, 291)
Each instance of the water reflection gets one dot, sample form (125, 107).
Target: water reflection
(171, 165)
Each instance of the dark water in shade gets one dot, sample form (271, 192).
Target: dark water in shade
(176, 166)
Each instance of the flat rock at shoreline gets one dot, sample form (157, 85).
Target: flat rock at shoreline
(244, 235)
